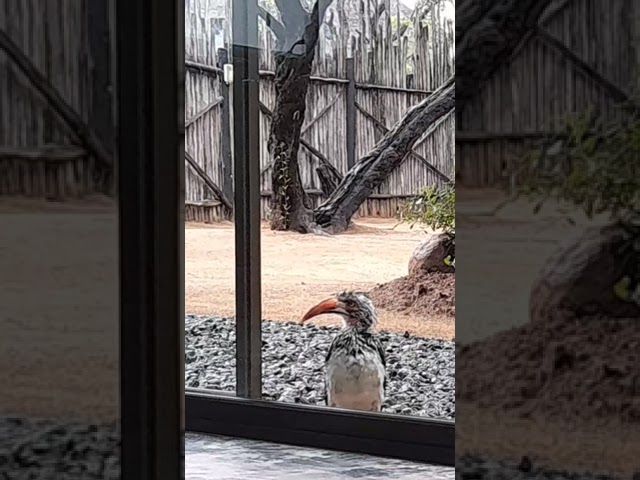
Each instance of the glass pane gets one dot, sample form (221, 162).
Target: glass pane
(209, 231)
(347, 108)
(58, 242)
(548, 200)
(369, 67)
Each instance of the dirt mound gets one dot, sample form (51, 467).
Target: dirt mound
(423, 294)
(566, 368)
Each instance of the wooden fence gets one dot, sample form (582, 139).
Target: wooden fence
(40, 155)
(360, 86)
(577, 59)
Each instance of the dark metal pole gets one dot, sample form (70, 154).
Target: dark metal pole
(246, 144)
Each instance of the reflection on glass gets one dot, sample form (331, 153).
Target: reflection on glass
(549, 308)
(59, 257)
(346, 132)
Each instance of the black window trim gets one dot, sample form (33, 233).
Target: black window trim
(149, 79)
(396, 436)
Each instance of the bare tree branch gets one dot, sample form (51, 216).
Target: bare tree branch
(371, 170)
(273, 23)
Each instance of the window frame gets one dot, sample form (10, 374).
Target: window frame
(156, 408)
(149, 111)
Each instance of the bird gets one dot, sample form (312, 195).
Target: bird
(355, 364)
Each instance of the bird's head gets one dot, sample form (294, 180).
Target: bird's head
(355, 308)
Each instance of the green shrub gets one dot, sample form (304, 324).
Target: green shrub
(594, 164)
(433, 207)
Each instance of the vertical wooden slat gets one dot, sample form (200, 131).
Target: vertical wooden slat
(351, 114)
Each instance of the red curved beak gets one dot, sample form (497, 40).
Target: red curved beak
(330, 305)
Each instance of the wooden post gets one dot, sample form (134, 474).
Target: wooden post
(101, 93)
(351, 114)
(101, 116)
(227, 160)
(409, 80)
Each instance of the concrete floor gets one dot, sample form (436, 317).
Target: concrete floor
(221, 458)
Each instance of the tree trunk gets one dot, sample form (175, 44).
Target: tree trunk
(486, 35)
(294, 59)
(360, 182)
(289, 204)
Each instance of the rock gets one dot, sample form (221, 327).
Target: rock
(579, 279)
(430, 254)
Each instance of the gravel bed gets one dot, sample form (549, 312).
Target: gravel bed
(41, 449)
(421, 370)
(475, 468)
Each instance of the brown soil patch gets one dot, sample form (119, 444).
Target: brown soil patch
(564, 392)
(565, 368)
(419, 295)
(299, 270)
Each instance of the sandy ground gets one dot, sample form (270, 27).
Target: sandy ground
(499, 256)
(60, 352)
(300, 270)
(59, 343)
(611, 447)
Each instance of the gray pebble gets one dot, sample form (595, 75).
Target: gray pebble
(421, 370)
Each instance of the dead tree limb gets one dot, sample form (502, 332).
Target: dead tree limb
(335, 214)
(412, 153)
(273, 23)
(74, 122)
(295, 54)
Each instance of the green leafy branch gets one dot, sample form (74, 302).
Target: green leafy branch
(593, 163)
(434, 207)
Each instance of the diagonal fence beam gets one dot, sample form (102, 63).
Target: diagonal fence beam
(208, 182)
(314, 151)
(321, 113)
(202, 112)
(385, 130)
(545, 37)
(73, 121)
